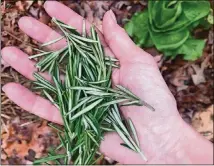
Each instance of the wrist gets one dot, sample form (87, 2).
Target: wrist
(192, 148)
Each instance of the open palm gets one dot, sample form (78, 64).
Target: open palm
(158, 131)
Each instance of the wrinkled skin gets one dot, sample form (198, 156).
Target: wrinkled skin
(162, 133)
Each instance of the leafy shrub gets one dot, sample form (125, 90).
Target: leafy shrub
(167, 25)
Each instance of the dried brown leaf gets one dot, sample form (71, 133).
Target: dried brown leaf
(203, 122)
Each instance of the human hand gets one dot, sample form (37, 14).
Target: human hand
(159, 132)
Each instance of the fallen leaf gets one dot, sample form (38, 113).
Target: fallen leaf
(203, 122)
(183, 87)
(179, 77)
(94, 11)
(44, 17)
(34, 12)
(100, 8)
(28, 141)
(120, 4)
(89, 12)
(199, 77)
(187, 115)
(4, 65)
(210, 37)
(24, 5)
(3, 6)
(20, 5)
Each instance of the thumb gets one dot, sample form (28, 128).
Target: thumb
(119, 42)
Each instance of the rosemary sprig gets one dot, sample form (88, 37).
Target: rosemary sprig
(86, 101)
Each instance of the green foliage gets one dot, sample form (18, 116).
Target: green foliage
(85, 98)
(167, 25)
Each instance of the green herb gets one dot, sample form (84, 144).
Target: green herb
(85, 99)
(167, 25)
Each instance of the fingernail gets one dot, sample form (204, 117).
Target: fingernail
(3, 89)
(9, 56)
(26, 22)
(46, 4)
(113, 15)
(50, 5)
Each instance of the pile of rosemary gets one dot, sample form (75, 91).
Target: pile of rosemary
(85, 99)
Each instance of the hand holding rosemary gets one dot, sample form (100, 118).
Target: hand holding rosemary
(87, 102)
(163, 135)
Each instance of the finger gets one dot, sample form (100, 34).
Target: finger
(122, 154)
(44, 109)
(31, 102)
(66, 15)
(20, 62)
(69, 17)
(40, 32)
(120, 43)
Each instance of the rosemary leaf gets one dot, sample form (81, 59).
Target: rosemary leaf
(84, 39)
(131, 125)
(78, 105)
(113, 102)
(124, 138)
(39, 55)
(88, 108)
(52, 41)
(50, 158)
(85, 99)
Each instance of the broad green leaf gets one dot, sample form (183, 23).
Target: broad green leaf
(168, 15)
(192, 49)
(195, 10)
(130, 26)
(148, 42)
(180, 24)
(169, 24)
(210, 17)
(138, 27)
(169, 41)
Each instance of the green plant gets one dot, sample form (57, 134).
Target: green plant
(167, 25)
(85, 98)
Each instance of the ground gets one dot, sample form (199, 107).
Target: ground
(190, 82)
